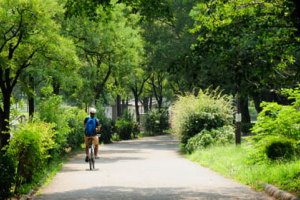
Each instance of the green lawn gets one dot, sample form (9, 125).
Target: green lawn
(231, 161)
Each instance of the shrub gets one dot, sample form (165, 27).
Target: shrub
(199, 141)
(156, 121)
(124, 129)
(30, 147)
(74, 119)
(106, 125)
(52, 111)
(223, 135)
(7, 175)
(274, 123)
(280, 148)
(208, 110)
(277, 119)
(205, 138)
(272, 148)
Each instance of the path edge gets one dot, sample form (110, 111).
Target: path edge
(277, 193)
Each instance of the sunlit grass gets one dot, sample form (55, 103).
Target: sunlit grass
(232, 161)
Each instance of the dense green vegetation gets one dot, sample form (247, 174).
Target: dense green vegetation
(60, 57)
(203, 119)
(270, 156)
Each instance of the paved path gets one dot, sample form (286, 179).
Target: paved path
(144, 169)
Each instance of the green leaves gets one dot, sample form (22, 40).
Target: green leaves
(110, 46)
(254, 35)
(279, 120)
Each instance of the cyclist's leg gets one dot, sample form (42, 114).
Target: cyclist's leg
(86, 141)
(96, 142)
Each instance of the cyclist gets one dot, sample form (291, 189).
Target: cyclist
(92, 126)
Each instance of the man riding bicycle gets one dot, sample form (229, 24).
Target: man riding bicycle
(92, 126)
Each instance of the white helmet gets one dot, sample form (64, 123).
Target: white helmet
(93, 110)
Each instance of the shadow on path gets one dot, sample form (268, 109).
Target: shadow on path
(133, 193)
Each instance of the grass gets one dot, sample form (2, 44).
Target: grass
(232, 162)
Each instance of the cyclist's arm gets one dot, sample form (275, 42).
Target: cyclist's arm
(85, 120)
(98, 127)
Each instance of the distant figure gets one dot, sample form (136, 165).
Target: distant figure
(92, 126)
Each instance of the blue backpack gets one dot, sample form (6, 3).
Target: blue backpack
(90, 127)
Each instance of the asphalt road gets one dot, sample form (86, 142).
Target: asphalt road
(144, 169)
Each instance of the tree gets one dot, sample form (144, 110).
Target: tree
(136, 83)
(109, 46)
(254, 41)
(28, 30)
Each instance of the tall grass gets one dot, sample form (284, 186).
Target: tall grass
(231, 161)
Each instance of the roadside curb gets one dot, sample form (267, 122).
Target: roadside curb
(29, 195)
(277, 193)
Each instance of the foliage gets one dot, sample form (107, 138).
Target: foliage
(52, 111)
(274, 123)
(7, 175)
(106, 125)
(124, 129)
(127, 115)
(272, 148)
(239, 39)
(30, 147)
(157, 121)
(28, 32)
(208, 110)
(223, 135)
(278, 119)
(74, 119)
(109, 46)
(280, 148)
(232, 161)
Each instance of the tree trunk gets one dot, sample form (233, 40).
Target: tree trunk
(124, 106)
(137, 112)
(257, 100)
(4, 121)
(31, 97)
(118, 106)
(31, 106)
(238, 136)
(245, 110)
(146, 104)
(150, 103)
(159, 103)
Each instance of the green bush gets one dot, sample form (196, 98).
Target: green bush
(75, 118)
(208, 110)
(106, 125)
(280, 148)
(124, 129)
(274, 123)
(30, 147)
(157, 121)
(7, 175)
(271, 148)
(222, 135)
(277, 119)
(52, 111)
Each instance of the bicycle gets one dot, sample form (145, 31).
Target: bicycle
(91, 157)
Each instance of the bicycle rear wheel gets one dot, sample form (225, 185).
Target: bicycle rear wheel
(91, 164)
(91, 158)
